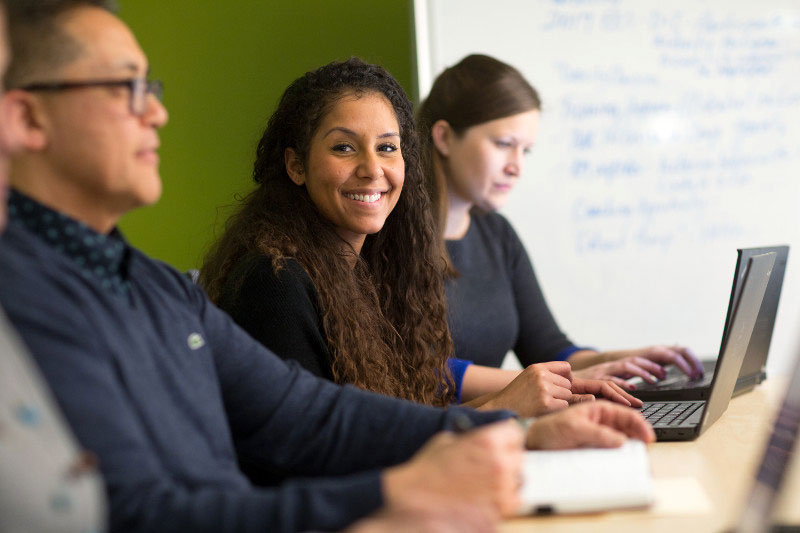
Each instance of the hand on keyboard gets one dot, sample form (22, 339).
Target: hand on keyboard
(647, 363)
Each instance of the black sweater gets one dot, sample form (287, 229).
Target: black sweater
(282, 311)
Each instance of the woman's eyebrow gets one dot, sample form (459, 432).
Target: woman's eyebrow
(348, 131)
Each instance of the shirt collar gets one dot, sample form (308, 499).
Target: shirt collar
(99, 257)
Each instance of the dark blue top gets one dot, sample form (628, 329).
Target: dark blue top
(178, 402)
(495, 304)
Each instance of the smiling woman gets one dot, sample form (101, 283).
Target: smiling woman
(333, 260)
(355, 167)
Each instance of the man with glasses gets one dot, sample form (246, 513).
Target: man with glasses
(92, 125)
(171, 395)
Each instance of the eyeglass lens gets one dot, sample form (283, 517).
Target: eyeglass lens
(140, 89)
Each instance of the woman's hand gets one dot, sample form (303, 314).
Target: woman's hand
(539, 389)
(594, 388)
(548, 387)
(647, 363)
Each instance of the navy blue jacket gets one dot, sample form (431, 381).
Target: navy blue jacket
(177, 402)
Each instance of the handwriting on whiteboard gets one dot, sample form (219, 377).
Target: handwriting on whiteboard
(666, 144)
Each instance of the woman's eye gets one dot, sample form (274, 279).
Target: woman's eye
(500, 143)
(387, 147)
(527, 151)
(343, 147)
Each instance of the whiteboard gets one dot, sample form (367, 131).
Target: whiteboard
(669, 136)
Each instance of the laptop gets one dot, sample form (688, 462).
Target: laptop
(782, 445)
(686, 420)
(678, 386)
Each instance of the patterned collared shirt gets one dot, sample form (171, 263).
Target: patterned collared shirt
(100, 257)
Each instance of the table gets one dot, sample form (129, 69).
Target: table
(723, 460)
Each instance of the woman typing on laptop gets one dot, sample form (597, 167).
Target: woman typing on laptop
(477, 124)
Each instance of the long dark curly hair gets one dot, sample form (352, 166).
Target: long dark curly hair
(385, 319)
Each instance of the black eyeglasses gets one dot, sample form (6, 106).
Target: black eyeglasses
(139, 89)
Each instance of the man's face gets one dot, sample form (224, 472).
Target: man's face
(3, 149)
(106, 153)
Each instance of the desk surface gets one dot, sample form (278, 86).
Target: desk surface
(723, 460)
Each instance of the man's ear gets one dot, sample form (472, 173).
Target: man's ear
(294, 166)
(24, 122)
(442, 135)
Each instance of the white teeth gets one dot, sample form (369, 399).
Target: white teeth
(369, 198)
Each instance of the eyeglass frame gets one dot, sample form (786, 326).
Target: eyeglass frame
(138, 87)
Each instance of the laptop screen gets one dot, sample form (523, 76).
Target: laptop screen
(756, 357)
(745, 312)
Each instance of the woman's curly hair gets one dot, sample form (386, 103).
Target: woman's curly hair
(385, 320)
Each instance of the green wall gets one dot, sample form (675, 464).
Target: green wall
(224, 65)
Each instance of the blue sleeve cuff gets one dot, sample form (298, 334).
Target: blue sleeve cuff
(565, 353)
(458, 367)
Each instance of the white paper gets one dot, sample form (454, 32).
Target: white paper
(681, 496)
(587, 480)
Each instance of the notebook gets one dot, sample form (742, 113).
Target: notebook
(678, 386)
(610, 478)
(685, 420)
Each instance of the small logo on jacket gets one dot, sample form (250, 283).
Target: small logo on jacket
(195, 341)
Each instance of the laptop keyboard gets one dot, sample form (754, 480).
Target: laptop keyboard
(670, 413)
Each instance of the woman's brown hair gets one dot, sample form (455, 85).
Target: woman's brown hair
(477, 89)
(385, 319)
